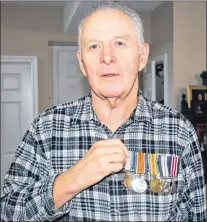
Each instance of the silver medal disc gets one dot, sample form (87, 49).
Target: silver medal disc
(139, 185)
(166, 187)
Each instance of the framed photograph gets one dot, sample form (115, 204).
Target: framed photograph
(201, 131)
(196, 93)
(200, 109)
(199, 112)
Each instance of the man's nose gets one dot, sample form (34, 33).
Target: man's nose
(108, 55)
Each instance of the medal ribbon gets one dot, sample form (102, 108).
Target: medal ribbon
(167, 172)
(174, 166)
(164, 163)
(140, 163)
(130, 161)
(169, 161)
(160, 165)
(153, 164)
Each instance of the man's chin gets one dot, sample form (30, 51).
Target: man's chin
(110, 95)
(108, 92)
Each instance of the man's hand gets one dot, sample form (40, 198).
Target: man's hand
(103, 158)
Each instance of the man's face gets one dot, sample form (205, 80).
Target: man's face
(110, 53)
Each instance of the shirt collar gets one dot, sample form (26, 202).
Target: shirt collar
(143, 111)
(85, 112)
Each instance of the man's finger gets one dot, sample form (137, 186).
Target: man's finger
(111, 142)
(116, 158)
(114, 167)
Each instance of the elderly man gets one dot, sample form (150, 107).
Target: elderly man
(112, 155)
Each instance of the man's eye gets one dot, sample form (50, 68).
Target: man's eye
(120, 43)
(93, 47)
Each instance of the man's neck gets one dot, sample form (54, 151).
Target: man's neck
(112, 112)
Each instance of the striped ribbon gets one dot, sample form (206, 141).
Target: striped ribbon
(130, 161)
(153, 164)
(160, 165)
(169, 162)
(140, 163)
(174, 165)
(163, 166)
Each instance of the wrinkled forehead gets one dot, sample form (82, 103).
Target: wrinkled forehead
(105, 22)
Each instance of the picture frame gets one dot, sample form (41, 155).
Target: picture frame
(199, 111)
(196, 93)
(201, 131)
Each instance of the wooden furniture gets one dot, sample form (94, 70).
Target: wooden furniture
(194, 108)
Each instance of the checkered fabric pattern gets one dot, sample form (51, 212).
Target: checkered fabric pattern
(62, 135)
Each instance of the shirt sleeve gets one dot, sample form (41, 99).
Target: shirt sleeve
(27, 193)
(191, 203)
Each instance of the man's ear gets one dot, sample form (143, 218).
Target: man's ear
(81, 64)
(144, 56)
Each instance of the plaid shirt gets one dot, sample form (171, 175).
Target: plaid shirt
(62, 135)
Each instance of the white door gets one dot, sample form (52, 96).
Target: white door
(18, 104)
(149, 81)
(69, 84)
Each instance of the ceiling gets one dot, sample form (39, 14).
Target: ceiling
(139, 6)
(59, 4)
(72, 14)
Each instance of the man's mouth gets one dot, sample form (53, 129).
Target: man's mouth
(110, 75)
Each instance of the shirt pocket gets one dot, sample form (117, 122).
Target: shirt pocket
(148, 205)
(154, 206)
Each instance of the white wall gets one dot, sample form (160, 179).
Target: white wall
(147, 26)
(189, 37)
(162, 25)
(26, 30)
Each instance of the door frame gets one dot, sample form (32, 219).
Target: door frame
(33, 62)
(164, 58)
(153, 78)
(55, 52)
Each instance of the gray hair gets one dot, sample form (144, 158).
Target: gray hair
(138, 26)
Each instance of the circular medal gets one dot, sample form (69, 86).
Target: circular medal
(127, 182)
(156, 185)
(139, 185)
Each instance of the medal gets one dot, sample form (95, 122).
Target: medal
(166, 187)
(127, 182)
(164, 173)
(139, 185)
(174, 187)
(155, 184)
